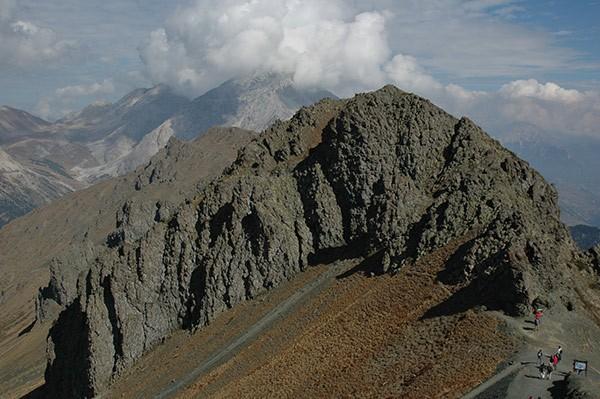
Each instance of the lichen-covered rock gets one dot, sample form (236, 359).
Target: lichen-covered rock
(385, 172)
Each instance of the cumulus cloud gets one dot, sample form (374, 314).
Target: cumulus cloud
(547, 106)
(346, 46)
(556, 109)
(317, 43)
(67, 99)
(533, 89)
(44, 109)
(104, 87)
(22, 43)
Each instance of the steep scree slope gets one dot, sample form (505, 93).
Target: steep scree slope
(385, 173)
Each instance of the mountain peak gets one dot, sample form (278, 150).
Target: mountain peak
(251, 102)
(380, 177)
(392, 90)
(160, 88)
(258, 79)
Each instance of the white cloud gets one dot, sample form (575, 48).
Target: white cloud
(553, 113)
(65, 99)
(317, 43)
(347, 46)
(23, 43)
(407, 73)
(43, 108)
(533, 89)
(547, 106)
(104, 87)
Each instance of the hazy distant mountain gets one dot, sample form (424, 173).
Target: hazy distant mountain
(105, 140)
(111, 131)
(24, 187)
(133, 116)
(32, 173)
(586, 237)
(570, 162)
(42, 161)
(16, 124)
(252, 103)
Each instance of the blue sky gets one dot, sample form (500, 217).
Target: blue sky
(575, 25)
(57, 56)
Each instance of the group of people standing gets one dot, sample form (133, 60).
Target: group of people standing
(546, 368)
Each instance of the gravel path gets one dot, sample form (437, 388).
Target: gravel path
(252, 333)
(578, 337)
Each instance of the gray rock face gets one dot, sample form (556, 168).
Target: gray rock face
(140, 199)
(594, 255)
(385, 174)
(579, 387)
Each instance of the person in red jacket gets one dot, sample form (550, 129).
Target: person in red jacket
(538, 313)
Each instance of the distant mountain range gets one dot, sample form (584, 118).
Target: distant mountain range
(41, 161)
(570, 162)
(16, 124)
(586, 237)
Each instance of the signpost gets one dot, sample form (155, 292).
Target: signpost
(580, 366)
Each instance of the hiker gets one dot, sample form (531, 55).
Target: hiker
(540, 356)
(538, 315)
(559, 353)
(554, 360)
(542, 369)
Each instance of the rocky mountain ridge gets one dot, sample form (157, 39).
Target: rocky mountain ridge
(106, 140)
(84, 219)
(385, 175)
(567, 160)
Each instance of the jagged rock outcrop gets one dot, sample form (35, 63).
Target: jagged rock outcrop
(579, 387)
(385, 174)
(54, 234)
(594, 255)
(141, 199)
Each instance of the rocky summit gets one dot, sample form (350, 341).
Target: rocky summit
(385, 175)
